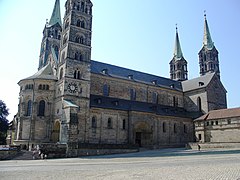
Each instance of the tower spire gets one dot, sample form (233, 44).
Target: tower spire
(208, 55)
(178, 65)
(207, 40)
(177, 49)
(56, 15)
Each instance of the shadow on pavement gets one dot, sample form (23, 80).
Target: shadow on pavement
(167, 153)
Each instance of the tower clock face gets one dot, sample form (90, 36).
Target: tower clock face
(72, 87)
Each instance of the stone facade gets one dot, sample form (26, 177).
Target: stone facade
(74, 100)
(219, 126)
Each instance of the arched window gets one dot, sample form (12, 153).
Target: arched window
(132, 94)
(41, 108)
(40, 87)
(175, 128)
(94, 122)
(154, 97)
(124, 124)
(47, 87)
(78, 75)
(75, 74)
(109, 124)
(61, 73)
(29, 108)
(77, 39)
(164, 127)
(78, 23)
(82, 24)
(81, 40)
(175, 101)
(199, 104)
(106, 90)
(76, 55)
(56, 49)
(44, 87)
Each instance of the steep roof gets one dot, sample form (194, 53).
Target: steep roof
(177, 49)
(132, 75)
(197, 83)
(45, 73)
(207, 40)
(56, 15)
(220, 114)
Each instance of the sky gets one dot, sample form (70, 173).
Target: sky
(135, 34)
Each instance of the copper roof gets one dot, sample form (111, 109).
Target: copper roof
(220, 114)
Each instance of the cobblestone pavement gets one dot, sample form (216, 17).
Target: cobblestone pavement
(158, 164)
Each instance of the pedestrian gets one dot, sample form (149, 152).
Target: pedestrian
(199, 147)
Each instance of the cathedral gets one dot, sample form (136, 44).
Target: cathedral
(74, 100)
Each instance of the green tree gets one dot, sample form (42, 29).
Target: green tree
(3, 122)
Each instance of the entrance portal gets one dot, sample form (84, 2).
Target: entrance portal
(143, 134)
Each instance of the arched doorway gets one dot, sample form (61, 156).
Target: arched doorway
(143, 134)
(56, 131)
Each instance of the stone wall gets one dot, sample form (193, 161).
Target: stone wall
(119, 88)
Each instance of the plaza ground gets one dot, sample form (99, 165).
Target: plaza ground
(157, 164)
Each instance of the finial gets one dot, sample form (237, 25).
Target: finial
(46, 21)
(205, 14)
(176, 27)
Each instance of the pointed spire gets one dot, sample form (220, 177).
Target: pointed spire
(177, 50)
(207, 40)
(56, 15)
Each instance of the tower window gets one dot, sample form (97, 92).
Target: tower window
(81, 40)
(78, 23)
(78, 56)
(82, 25)
(41, 108)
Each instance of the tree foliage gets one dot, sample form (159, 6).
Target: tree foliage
(3, 122)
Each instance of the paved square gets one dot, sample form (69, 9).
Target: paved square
(158, 164)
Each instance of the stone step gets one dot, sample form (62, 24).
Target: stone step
(24, 155)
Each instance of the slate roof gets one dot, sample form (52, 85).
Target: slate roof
(132, 75)
(45, 73)
(197, 83)
(220, 114)
(128, 105)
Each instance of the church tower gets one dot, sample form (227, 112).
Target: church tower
(208, 55)
(178, 65)
(51, 38)
(73, 86)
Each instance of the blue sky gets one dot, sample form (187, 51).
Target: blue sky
(135, 34)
